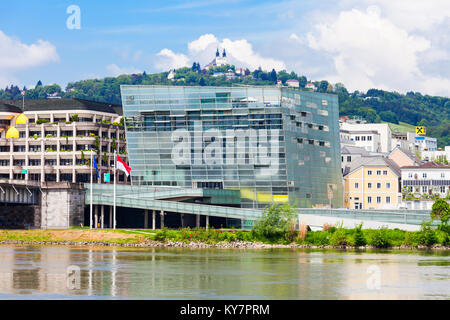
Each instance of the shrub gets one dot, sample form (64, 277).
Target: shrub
(318, 238)
(275, 222)
(358, 237)
(40, 121)
(161, 235)
(427, 235)
(339, 237)
(379, 238)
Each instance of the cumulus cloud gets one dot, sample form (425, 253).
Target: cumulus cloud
(114, 70)
(15, 56)
(370, 51)
(167, 59)
(239, 52)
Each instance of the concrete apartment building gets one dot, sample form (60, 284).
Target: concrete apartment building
(372, 183)
(429, 178)
(367, 139)
(437, 154)
(55, 139)
(381, 144)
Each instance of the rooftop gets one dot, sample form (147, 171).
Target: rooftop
(429, 165)
(63, 104)
(379, 161)
(5, 107)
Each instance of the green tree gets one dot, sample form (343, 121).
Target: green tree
(440, 211)
(276, 221)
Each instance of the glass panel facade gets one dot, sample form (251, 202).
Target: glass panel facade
(272, 144)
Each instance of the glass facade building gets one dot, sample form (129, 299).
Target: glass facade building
(273, 144)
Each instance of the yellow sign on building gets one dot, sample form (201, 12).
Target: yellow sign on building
(421, 131)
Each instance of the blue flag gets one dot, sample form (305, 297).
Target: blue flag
(96, 168)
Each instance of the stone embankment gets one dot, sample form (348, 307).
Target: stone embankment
(219, 245)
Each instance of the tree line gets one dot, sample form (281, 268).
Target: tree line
(374, 105)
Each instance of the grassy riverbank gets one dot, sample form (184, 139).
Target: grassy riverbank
(333, 237)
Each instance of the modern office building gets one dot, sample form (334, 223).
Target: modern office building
(55, 138)
(271, 144)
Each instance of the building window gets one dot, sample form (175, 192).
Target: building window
(442, 175)
(378, 199)
(369, 138)
(424, 175)
(385, 172)
(410, 175)
(442, 189)
(349, 158)
(388, 185)
(356, 185)
(369, 172)
(357, 138)
(369, 185)
(378, 185)
(378, 172)
(388, 199)
(424, 188)
(363, 138)
(369, 199)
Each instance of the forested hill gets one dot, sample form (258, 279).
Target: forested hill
(374, 105)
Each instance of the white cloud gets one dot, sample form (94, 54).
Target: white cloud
(16, 56)
(114, 70)
(414, 14)
(370, 51)
(167, 59)
(239, 52)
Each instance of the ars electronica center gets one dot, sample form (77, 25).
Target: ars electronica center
(260, 144)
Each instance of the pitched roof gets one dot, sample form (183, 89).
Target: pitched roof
(354, 150)
(66, 104)
(6, 107)
(409, 154)
(377, 161)
(429, 165)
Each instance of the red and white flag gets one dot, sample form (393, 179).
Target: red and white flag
(23, 92)
(121, 165)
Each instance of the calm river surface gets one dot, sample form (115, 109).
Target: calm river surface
(33, 272)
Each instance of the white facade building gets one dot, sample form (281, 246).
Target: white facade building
(438, 154)
(429, 178)
(426, 143)
(369, 140)
(382, 129)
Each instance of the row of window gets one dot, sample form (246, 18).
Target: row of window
(369, 185)
(424, 175)
(442, 189)
(378, 199)
(50, 162)
(363, 138)
(385, 172)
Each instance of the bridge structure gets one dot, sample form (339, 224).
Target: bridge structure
(225, 204)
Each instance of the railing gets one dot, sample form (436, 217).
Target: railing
(415, 217)
(172, 206)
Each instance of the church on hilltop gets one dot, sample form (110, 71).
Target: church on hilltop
(218, 60)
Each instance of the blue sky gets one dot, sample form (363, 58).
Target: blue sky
(398, 46)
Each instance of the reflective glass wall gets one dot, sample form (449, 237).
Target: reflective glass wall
(273, 144)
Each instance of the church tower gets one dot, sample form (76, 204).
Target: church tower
(224, 54)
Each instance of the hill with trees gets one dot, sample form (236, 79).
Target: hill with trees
(374, 105)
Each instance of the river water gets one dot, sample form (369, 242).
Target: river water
(33, 272)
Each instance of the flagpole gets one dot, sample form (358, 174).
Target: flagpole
(114, 201)
(90, 211)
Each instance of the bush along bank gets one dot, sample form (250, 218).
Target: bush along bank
(332, 237)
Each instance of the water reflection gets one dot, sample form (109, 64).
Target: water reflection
(180, 273)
